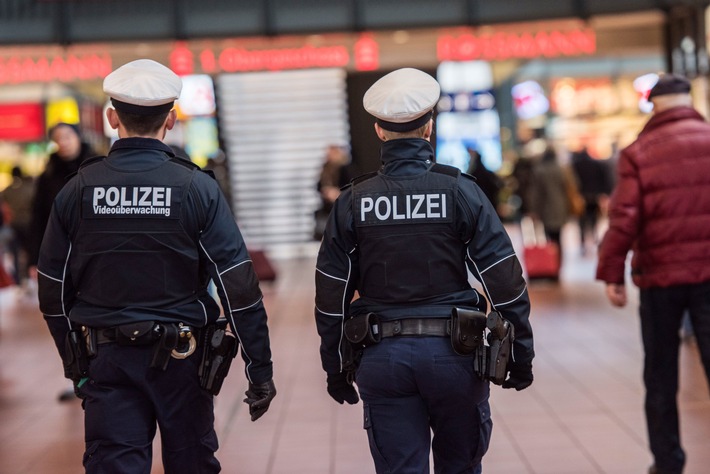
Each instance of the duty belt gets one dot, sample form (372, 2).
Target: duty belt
(416, 327)
(174, 340)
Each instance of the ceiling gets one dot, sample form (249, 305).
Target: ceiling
(83, 21)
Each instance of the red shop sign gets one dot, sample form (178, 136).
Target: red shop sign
(21, 122)
(501, 46)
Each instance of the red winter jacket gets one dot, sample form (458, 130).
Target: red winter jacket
(660, 208)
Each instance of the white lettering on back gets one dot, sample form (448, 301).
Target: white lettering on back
(403, 207)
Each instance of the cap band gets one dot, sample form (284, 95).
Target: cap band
(406, 126)
(142, 109)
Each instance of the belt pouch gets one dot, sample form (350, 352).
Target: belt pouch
(136, 334)
(166, 343)
(363, 330)
(467, 328)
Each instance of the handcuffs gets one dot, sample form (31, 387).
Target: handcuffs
(185, 336)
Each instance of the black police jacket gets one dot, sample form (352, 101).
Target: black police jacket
(137, 236)
(404, 238)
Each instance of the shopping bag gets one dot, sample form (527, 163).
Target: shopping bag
(541, 259)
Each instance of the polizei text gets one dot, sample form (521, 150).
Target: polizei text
(403, 207)
(132, 200)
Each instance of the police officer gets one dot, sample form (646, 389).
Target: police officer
(131, 245)
(403, 238)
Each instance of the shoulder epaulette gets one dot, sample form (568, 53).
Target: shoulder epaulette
(363, 177)
(91, 161)
(184, 162)
(468, 176)
(445, 169)
(192, 166)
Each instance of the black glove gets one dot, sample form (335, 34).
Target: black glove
(259, 398)
(519, 378)
(341, 389)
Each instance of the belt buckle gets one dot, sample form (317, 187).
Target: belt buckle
(184, 334)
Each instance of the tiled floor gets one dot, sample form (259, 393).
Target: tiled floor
(582, 415)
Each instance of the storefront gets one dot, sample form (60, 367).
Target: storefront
(267, 108)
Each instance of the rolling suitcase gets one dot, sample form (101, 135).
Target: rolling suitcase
(541, 259)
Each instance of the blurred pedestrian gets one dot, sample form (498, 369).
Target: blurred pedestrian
(660, 210)
(595, 187)
(333, 176)
(488, 181)
(522, 181)
(548, 198)
(18, 198)
(219, 165)
(70, 152)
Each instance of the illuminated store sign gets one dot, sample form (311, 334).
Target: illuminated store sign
(243, 60)
(72, 67)
(367, 54)
(501, 46)
(22, 122)
(362, 52)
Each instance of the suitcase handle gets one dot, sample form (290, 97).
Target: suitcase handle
(532, 232)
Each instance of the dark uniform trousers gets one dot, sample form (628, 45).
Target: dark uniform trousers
(661, 315)
(412, 386)
(123, 399)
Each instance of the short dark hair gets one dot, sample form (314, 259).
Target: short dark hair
(142, 124)
(416, 133)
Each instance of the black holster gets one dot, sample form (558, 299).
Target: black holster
(76, 363)
(469, 332)
(500, 343)
(219, 348)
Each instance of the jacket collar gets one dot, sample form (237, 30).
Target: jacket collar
(143, 144)
(406, 149)
(671, 115)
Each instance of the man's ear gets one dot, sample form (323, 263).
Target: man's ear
(171, 120)
(429, 129)
(380, 132)
(112, 117)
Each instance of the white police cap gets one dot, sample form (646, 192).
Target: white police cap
(402, 100)
(143, 87)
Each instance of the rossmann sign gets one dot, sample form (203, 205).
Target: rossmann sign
(62, 68)
(503, 45)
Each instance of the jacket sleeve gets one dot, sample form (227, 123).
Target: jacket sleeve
(492, 261)
(231, 269)
(624, 222)
(55, 287)
(336, 274)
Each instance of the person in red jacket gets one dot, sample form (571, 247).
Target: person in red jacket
(660, 210)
